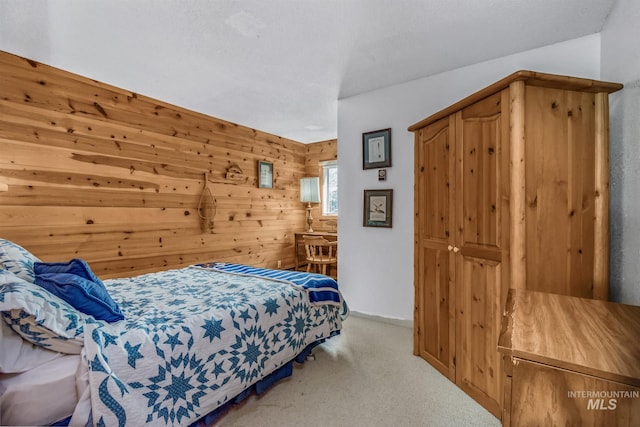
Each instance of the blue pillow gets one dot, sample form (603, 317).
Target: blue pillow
(84, 295)
(76, 266)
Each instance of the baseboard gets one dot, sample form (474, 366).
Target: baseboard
(397, 322)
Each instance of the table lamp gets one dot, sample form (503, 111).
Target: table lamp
(310, 193)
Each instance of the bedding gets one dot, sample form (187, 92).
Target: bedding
(75, 283)
(178, 356)
(75, 266)
(83, 295)
(40, 317)
(321, 289)
(17, 260)
(18, 355)
(192, 340)
(41, 396)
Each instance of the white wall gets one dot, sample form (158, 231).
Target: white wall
(376, 264)
(621, 63)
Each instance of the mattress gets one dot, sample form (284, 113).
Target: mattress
(40, 396)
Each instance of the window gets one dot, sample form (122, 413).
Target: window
(330, 188)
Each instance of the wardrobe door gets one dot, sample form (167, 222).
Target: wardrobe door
(481, 243)
(434, 328)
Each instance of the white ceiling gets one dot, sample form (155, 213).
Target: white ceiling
(281, 65)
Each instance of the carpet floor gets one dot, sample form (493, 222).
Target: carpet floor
(367, 376)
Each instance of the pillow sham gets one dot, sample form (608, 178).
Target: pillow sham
(75, 266)
(18, 355)
(86, 296)
(40, 317)
(17, 260)
(33, 331)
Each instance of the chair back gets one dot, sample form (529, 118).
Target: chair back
(319, 249)
(321, 253)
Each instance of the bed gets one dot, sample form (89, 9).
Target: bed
(175, 347)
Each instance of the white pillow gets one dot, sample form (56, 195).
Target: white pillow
(18, 355)
(41, 317)
(17, 260)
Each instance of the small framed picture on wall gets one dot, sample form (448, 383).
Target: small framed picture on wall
(378, 208)
(376, 149)
(265, 174)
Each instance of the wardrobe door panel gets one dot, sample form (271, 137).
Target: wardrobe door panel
(478, 363)
(434, 310)
(434, 338)
(479, 245)
(479, 175)
(435, 180)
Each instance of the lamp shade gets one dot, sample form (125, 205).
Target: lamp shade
(310, 190)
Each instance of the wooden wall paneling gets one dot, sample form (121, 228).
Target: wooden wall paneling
(315, 154)
(170, 161)
(101, 173)
(319, 152)
(117, 105)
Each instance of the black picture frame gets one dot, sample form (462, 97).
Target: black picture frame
(265, 174)
(376, 149)
(378, 208)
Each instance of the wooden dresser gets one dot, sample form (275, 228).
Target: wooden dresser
(570, 361)
(511, 191)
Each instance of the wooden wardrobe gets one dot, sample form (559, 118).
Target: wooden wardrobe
(511, 191)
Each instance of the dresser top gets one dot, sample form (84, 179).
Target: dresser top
(588, 336)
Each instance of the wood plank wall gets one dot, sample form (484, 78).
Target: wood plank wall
(317, 153)
(92, 171)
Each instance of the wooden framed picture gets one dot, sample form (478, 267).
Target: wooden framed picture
(265, 174)
(376, 149)
(378, 208)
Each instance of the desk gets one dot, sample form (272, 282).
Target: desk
(298, 243)
(570, 361)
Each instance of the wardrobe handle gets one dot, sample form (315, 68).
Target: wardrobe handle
(456, 249)
(450, 248)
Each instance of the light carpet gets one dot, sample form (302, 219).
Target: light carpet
(367, 376)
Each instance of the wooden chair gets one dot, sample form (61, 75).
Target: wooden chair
(320, 253)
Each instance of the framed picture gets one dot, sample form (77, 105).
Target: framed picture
(376, 149)
(265, 174)
(378, 208)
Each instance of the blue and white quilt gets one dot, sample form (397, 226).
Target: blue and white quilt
(193, 339)
(321, 289)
